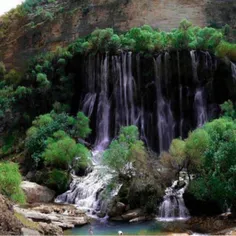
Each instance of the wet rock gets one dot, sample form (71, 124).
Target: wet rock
(117, 210)
(131, 214)
(37, 193)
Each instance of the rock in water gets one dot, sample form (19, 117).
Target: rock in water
(36, 193)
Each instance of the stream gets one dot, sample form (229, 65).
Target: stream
(112, 228)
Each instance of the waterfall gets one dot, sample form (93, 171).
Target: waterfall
(87, 192)
(141, 112)
(155, 93)
(233, 69)
(165, 121)
(200, 107)
(180, 98)
(127, 89)
(173, 206)
(195, 64)
(89, 100)
(102, 140)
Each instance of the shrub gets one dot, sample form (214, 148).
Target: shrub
(127, 148)
(10, 180)
(13, 77)
(58, 180)
(2, 70)
(229, 109)
(61, 153)
(42, 80)
(46, 126)
(81, 126)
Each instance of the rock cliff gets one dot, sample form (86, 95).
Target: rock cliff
(61, 21)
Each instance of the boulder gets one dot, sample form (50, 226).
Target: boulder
(131, 214)
(37, 193)
(117, 210)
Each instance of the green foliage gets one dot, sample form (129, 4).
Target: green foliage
(117, 156)
(209, 152)
(81, 126)
(60, 153)
(8, 142)
(58, 180)
(229, 109)
(147, 40)
(7, 98)
(225, 49)
(10, 180)
(187, 153)
(29, 5)
(178, 154)
(13, 77)
(47, 126)
(196, 144)
(2, 70)
(126, 148)
(42, 80)
(217, 174)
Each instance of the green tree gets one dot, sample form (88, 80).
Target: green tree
(216, 179)
(178, 154)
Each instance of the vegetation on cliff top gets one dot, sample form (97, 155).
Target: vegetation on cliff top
(145, 39)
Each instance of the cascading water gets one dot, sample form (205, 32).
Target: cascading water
(195, 64)
(200, 107)
(103, 107)
(162, 95)
(233, 69)
(165, 119)
(87, 192)
(173, 206)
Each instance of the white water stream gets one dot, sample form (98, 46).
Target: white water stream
(87, 192)
(173, 207)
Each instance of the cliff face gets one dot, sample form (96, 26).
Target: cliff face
(72, 18)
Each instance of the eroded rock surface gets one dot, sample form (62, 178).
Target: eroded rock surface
(31, 35)
(9, 224)
(63, 216)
